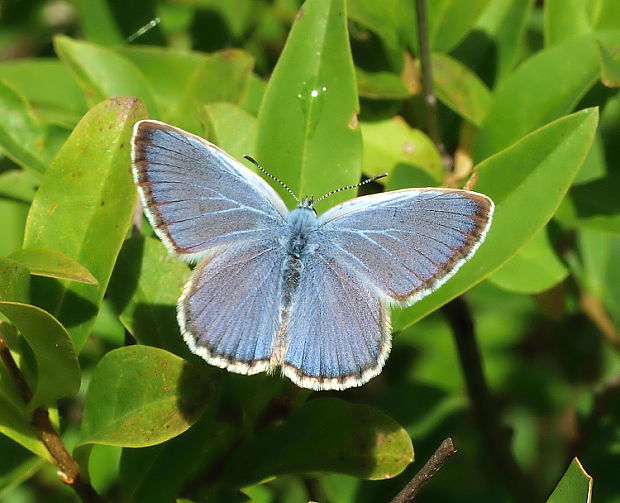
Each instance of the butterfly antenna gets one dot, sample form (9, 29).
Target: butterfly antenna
(376, 177)
(263, 170)
(148, 26)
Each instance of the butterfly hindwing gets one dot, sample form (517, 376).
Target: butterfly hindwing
(338, 333)
(229, 312)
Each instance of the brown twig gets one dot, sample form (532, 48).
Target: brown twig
(428, 92)
(430, 468)
(69, 470)
(494, 436)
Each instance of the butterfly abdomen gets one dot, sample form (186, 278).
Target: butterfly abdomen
(297, 243)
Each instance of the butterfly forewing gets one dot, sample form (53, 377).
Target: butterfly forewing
(196, 195)
(407, 242)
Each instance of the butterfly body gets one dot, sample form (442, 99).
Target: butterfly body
(284, 289)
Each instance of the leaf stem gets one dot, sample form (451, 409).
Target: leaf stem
(69, 470)
(494, 435)
(428, 92)
(444, 452)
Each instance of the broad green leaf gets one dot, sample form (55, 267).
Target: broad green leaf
(496, 42)
(575, 486)
(18, 185)
(231, 128)
(565, 19)
(15, 419)
(53, 264)
(534, 269)
(593, 202)
(451, 20)
(599, 268)
(531, 95)
(102, 73)
(308, 130)
(14, 281)
(392, 143)
(184, 82)
(56, 97)
(610, 68)
(22, 135)
(460, 89)
(392, 20)
(144, 289)
(527, 183)
(381, 85)
(140, 396)
(58, 371)
(146, 475)
(84, 208)
(326, 434)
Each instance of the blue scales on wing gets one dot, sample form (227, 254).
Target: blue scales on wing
(196, 196)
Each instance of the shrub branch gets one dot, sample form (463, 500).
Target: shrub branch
(430, 468)
(69, 470)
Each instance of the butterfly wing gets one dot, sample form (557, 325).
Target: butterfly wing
(196, 196)
(407, 242)
(392, 247)
(229, 311)
(338, 332)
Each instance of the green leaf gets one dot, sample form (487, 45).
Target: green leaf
(392, 20)
(56, 97)
(575, 486)
(184, 81)
(140, 396)
(144, 289)
(565, 19)
(392, 143)
(15, 419)
(381, 85)
(460, 89)
(231, 128)
(610, 68)
(312, 91)
(14, 281)
(494, 45)
(102, 73)
(325, 434)
(534, 269)
(58, 371)
(17, 188)
(84, 208)
(22, 135)
(451, 20)
(527, 183)
(598, 271)
(53, 264)
(531, 97)
(146, 474)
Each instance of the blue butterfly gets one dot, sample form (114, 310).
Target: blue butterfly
(277, 288)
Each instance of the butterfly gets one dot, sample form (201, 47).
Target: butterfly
(274, 287)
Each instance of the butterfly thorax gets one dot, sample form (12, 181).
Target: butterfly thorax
(302, 223)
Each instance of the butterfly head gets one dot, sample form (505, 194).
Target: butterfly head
(307, 203)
